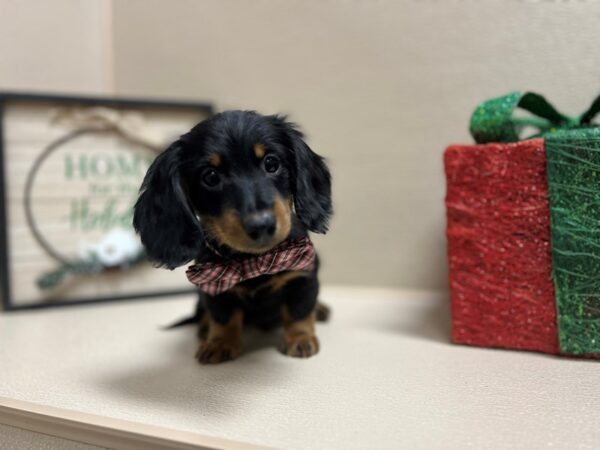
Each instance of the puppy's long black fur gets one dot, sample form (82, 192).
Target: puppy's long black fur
(238, 183)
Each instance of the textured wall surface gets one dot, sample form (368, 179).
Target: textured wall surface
(381, 87)
(62, 45)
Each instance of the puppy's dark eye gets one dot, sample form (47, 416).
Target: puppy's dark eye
(211, 177)
(271, 163)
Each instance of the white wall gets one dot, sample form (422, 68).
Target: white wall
(58, 45)
(380, 86)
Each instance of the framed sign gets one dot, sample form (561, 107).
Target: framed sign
(70, 171)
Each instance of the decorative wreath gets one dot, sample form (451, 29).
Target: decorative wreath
(120, 249)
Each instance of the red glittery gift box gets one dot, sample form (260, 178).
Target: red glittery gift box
(499, 246)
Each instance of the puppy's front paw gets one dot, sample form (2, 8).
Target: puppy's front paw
(299, 345)
(214, 351)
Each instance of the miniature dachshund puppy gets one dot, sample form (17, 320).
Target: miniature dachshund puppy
(235, 187)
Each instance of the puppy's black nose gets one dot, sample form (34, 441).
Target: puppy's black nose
(260, 226)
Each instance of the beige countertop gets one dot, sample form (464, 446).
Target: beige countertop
(386, 377)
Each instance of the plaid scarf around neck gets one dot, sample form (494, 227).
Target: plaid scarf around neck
(215, 278)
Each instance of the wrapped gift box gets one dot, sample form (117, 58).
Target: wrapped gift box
(574, 188)
(524, 230)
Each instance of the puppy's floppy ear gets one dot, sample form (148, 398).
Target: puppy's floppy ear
(311, 183)
(163, 217)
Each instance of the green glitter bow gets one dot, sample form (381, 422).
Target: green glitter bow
(573, 167)
(494, 119)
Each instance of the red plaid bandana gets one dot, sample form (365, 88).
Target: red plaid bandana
(214, 278)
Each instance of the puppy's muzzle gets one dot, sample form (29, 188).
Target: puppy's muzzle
(260, 226)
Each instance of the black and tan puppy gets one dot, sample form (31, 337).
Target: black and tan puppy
(236, 186)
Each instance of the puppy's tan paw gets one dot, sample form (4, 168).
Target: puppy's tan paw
(214, 351)
(299, 345)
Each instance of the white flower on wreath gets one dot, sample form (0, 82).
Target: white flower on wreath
(117, 247)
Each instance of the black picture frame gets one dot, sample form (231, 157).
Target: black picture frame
(204, 108)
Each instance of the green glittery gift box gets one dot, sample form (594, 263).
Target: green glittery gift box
(573, 164)
(570, 150)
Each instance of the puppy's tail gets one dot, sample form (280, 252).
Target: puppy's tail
(195, 319)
